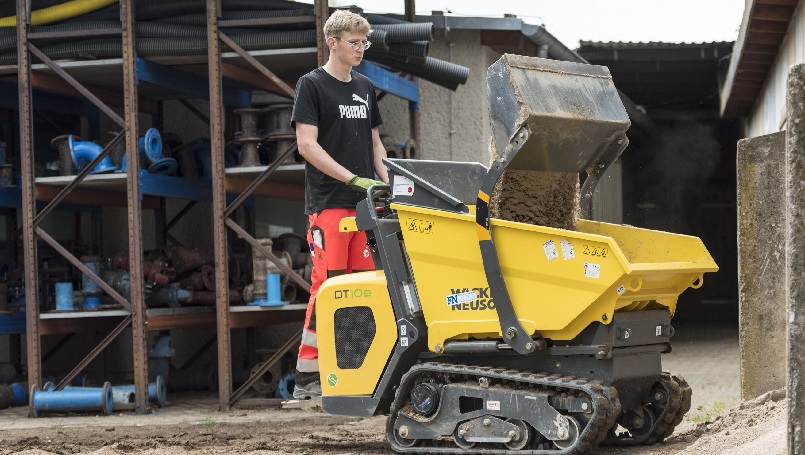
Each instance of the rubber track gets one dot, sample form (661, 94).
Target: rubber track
(606, 406)
(679, 394)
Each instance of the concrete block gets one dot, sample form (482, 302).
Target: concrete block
(761, 263)
(795, 249)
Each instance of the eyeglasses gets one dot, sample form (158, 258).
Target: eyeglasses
(356, 45)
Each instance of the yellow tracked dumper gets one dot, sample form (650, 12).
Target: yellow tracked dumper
(479, 335)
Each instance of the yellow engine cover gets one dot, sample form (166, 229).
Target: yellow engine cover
(356, 332)
(559, 281)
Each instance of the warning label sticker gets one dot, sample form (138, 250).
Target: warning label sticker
(493, 405)
(550, 250)
(567, 250)
(403, 186)
(592, 270)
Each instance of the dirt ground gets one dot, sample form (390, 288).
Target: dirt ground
(754, 427)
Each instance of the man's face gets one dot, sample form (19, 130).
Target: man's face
(341, 48)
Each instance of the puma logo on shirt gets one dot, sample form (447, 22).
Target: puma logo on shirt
(358, 98)
(358, 111)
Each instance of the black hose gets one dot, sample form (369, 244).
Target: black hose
(200, 19)
(380, 19)
(401, 33)
(440, 72)
(413, 48)
(8, 42)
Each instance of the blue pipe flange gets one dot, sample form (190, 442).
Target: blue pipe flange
(83, 152)
(151, 145)
(151, 151)
(286, 385)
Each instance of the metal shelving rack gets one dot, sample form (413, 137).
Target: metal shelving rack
(143, 190)
(135, 306)
(382, 79)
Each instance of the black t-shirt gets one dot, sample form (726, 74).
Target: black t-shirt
(345, 113)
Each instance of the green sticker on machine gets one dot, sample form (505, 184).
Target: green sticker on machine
(332, 379)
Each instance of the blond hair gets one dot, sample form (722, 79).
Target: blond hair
(346, 21)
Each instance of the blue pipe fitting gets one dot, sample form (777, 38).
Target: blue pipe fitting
(151, 151)
(19, 393)
(64, 296)
(273, 292)
(83, 152)
(285, 387)
(71, 400)
(92, 292)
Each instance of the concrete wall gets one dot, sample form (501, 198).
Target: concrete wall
(795, 261)
(454, 125)
(761, 263)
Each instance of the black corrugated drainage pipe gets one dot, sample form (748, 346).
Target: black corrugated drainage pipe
(445, 74)
(200, 19)
(401, 33)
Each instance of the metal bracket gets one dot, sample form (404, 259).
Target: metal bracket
(513, 332)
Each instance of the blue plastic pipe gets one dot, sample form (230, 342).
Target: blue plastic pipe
(72, 399)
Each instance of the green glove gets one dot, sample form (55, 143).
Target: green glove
(361, 183)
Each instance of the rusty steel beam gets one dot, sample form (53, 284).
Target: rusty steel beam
(95, 351)
(322, 14)
(90, 197)
(268, 254)
(26, 145)
(257, 65)
(83, 268)
(139, 319)
(219, 205)
(76, 85)
(250, 77)
(260, 179)
(290, 344)
(290, 191)
(113, 97)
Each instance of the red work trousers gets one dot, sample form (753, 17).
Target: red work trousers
(334, 253)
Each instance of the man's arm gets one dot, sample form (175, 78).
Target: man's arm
(379, 154)
(307, 142)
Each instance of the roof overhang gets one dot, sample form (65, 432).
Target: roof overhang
(763, 29)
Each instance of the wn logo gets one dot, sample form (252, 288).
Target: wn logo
(470, 299)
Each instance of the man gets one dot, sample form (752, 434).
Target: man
(336, 118)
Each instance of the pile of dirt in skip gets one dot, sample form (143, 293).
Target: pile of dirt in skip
(536, 197)
(754, 427)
